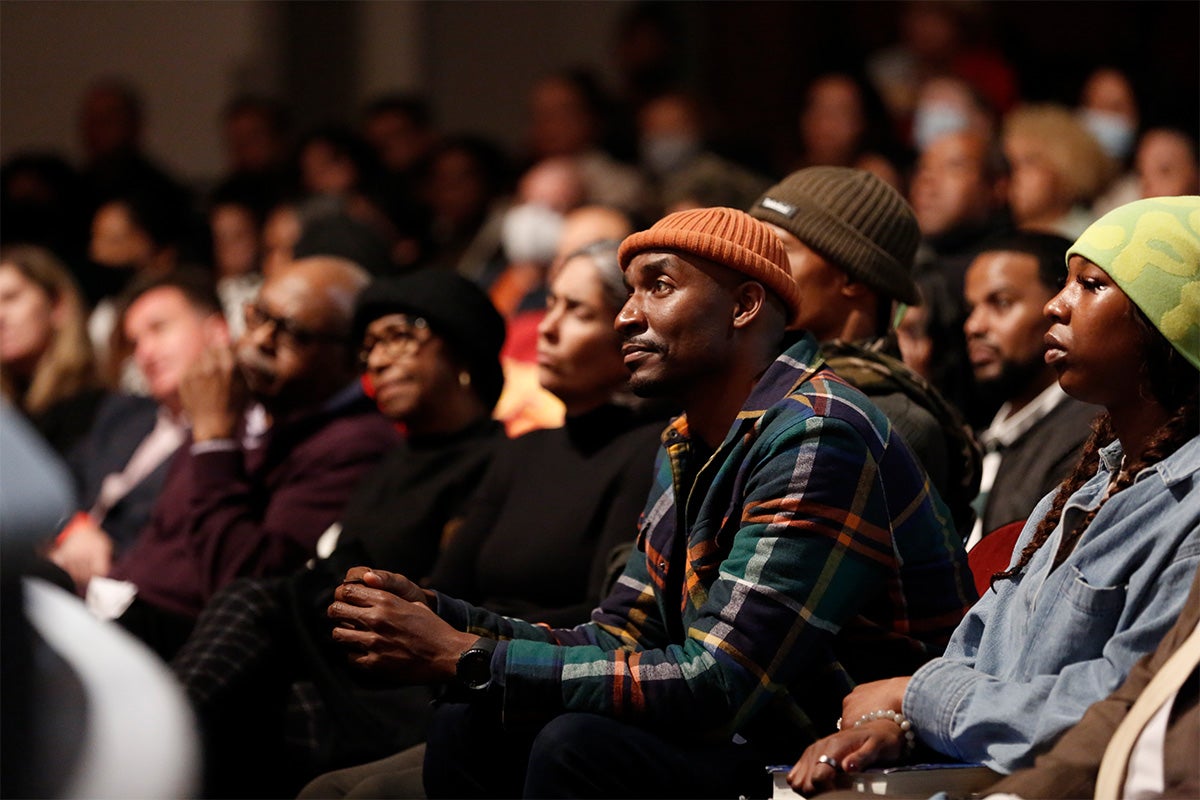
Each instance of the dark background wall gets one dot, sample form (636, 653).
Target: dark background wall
(477, 58)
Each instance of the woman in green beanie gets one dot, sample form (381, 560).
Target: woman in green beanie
(1103, 565)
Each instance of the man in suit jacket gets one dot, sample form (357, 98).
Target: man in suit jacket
(119, 468)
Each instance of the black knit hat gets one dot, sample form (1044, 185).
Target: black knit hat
(456, 309)
(853, 219)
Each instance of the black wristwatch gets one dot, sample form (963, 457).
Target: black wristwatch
(474, 669)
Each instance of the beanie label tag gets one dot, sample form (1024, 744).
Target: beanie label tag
(778, 206)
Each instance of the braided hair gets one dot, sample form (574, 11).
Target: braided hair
(1174, 384)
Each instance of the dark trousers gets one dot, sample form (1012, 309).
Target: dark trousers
(469, 753)
(163, 631)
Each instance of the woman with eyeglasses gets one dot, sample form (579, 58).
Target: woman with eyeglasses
(430, 356)
(1103, 565)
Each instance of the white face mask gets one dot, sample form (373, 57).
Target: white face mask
(666, 153)
(1114, 132)
(530, 233)
(934, 120)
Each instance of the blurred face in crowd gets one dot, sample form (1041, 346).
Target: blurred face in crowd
(1109, 90)
(822, 312)
(1035, 190)
(456, 189)
(235, 239)
(412, 370)
(591, 224)
(554, 183)
(832, 121)
(280, 234)
(117, 241)
(578, 351)
(107, 122)
(560, 121)
(167, 334)
(950, 186)
(324, 170)
(251, 142)
(399, 142)
(1166, 165)
(1005, 324)
(294, 353)
(669, 133)
(27, 320)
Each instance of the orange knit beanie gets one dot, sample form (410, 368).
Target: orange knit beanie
(724, 236)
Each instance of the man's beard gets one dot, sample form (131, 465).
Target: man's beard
(1014, 377)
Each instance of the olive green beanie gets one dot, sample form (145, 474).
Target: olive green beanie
(854, 219)
(1151, 249)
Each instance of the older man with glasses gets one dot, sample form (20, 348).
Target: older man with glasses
(281, 432)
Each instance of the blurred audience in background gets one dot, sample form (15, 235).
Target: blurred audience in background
(684, 173)
(117, 275)
(1108, 108)
(844, 124)
(959, 194)
(1058, 170)
(256, 134)
(1167, 163)
(120, 466)
(47, 369)
(569, 116)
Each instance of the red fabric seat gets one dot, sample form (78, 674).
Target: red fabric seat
(993, 553)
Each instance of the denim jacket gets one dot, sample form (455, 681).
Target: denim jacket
(1031, 656)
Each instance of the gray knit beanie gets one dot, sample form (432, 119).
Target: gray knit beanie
(851, 218)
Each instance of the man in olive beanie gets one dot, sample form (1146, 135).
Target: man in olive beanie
(790, 547)
(850, 240)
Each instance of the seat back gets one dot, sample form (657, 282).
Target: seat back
(992, 554)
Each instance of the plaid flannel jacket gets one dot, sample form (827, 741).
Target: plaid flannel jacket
(818, 556)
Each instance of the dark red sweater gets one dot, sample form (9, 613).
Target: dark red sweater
(259, 511)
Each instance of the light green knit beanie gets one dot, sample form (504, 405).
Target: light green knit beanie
(1151, 249)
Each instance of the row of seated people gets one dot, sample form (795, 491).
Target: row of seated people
(960, 190)
(431, 356)
(652, 683)
(1041, 171)
(853, 289)
(209, 394)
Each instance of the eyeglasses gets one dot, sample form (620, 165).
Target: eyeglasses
(399, 339)
(288, 333)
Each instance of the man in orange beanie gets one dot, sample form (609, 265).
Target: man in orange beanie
(790, 548)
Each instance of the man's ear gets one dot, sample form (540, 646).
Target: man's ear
(853, 289)
(749, 299)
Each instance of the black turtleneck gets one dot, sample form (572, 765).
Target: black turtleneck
(398, 514)
(537, 537)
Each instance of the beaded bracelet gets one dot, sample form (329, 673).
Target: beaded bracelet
(906, 727)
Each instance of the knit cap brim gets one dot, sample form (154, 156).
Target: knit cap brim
(853, 219)
(724, 236)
